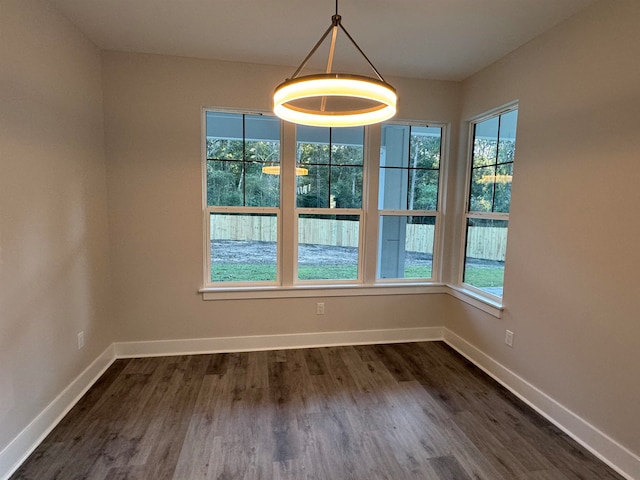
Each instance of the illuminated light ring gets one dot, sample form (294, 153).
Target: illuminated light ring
(335, 85)
(275, 170)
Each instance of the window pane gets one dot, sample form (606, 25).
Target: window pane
(503, 179)
(224, 136)
(262, 189)
(347, 146)
(507, 145)
(394, 146)
(243, 247)
(312, 189)
(482, 189)
(346, 187)
(240, 150)
(223, 183)
(406, 247)
(393, 189)
(409, 167)
(313, 144)
(425, 147)
(423, 189)
(485, 142)
(485, 253)
(328, 247)
(333, 176)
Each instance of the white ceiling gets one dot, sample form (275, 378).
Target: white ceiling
(438, 39)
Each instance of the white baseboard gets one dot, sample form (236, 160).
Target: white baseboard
(274, 342)
(12, 456)
(619, 458)
(605, 448)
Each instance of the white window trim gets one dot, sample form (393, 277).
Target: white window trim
(468, 293)
(287, 285)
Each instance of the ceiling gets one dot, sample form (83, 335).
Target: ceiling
(437, 39)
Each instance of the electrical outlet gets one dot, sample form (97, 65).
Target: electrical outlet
(320, 308)
(80, 340)
(508, 338)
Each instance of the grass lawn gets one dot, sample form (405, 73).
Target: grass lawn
(477, 276)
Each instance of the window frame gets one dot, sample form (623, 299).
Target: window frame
(461, 286)
(286, 284)
(436, 271)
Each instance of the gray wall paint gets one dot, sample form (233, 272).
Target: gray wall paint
(54, 275)
(571, 295)
(571, 282)
(153, 136)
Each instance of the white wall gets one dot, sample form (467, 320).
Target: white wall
(153, 110)
(54, 278)
(572, 293)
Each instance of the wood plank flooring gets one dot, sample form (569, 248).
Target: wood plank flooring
(403, 411)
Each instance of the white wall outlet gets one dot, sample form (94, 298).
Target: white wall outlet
(80, 340)
(508, 338)
(320, 308)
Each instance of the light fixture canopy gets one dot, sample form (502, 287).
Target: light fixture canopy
(334, 99)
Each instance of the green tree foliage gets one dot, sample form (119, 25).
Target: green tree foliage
(491, 175)
(424, 154)
(335, 176)
(235, 176)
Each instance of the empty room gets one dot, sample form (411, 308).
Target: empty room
(319, 239)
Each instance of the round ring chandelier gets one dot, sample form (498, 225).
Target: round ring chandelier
(334, 99)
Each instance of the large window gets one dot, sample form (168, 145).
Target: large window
(329, 202)
(408, 200)
(294, 206)
(243, 197)
(487, 215)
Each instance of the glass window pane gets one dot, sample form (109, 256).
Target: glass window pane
(328, 247)
(346, 187)
(262, 137)
(502, 199)
(312, 144)
(243, 247)
(406, 247)
(423, 189)
(482, 189)
(224, 136)
(312, 189)
(425, 147)
(485, 254)
(507, 146)
(347, 146)
(392, 193)
(394, 146)
(261, 189)
(224, 185)
(485, 142)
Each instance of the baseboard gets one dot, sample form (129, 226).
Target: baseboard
(619, 458)
(625, 462)
(12, 456)
(274, 342)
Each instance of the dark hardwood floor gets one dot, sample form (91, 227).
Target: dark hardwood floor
(404, 411)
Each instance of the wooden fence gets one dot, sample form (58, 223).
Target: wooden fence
(483, 242)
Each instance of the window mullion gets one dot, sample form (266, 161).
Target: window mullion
(370, 188)
(288, 231)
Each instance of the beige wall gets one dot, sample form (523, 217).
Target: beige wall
(54, 278)
(571, 288)
(153, 110)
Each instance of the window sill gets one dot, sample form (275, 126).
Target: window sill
(302, 291)
(490, 306)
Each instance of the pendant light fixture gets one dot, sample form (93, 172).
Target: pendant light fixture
(334, 99)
